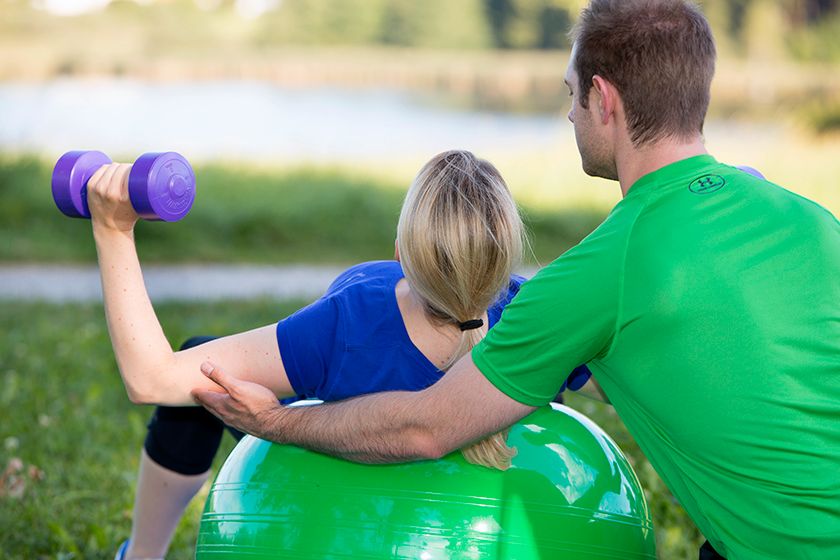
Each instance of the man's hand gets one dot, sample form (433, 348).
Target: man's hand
(248, 407)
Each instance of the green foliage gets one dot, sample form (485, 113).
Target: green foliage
(78, 437)
(310, 22)
(773, 29)
(762, 31)
(161, 27)
(818, 42)
(823, 116)
(301, 215)
(434, 23)
(530, 24)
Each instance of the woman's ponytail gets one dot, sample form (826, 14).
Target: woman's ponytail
(460, 236)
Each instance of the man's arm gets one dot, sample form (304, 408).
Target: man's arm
(379, 428)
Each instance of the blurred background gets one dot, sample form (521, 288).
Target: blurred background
(305, 121)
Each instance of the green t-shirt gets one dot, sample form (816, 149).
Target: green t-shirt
(707, 305)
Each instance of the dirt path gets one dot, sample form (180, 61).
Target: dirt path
(60, 284)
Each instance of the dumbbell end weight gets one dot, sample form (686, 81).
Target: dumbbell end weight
(161, 186)
(751, 170)
(69, 181)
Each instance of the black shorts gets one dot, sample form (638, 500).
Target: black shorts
(709, 553)
(185, 439)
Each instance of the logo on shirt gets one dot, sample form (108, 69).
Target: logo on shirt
(707, 184)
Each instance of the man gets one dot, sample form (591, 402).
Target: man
(707, 306)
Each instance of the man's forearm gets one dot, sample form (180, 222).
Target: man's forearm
(392, 427)
(380, 428)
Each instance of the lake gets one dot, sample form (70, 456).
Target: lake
(392, 131)
(247, 120)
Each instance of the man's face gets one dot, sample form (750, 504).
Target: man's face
(595, 150)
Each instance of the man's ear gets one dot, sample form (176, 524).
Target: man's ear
(396, 251)
(605, 96)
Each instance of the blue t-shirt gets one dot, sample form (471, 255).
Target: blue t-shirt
(353, 340)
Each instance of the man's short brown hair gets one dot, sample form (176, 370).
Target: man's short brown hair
(659, 54)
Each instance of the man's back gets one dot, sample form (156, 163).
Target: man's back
(727, 355)
(708, 307)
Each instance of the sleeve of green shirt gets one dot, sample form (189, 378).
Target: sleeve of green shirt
(563, 317)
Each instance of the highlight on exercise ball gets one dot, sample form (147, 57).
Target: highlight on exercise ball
(570, 493)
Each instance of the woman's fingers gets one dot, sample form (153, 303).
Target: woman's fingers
(111, 181)
(107, 180)
(109, 198)
(121, 179)
(97, 175)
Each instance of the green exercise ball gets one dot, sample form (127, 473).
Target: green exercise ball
(570, 494)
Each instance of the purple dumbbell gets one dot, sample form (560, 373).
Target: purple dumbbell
(161, 185)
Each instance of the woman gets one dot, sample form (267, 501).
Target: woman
(389, 325)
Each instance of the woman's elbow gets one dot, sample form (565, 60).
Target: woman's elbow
(147, 387)
(140, 397)
(160, 396)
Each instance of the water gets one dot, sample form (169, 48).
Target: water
(252, 121)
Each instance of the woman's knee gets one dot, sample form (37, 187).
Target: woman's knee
(194, 341)
(183, 439)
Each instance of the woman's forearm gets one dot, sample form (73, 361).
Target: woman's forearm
(143, 354)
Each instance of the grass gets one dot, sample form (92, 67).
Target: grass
(296, 215)
(73, 421)
(73, 427)
(70, 423)
(285, 212)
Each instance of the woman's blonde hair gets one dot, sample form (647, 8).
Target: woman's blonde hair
(459, 237)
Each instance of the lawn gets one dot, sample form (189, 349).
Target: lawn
(67, 421)
(70, 425)
(283, 212)
(242, 214)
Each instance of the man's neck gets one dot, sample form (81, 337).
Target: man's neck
(634, 163)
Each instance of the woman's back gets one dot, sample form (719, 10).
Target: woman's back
(368, 333)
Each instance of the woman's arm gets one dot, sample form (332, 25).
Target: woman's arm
(151, 371)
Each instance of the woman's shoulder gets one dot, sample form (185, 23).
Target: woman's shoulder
(507, 295)
(513, 287)
(368, 273)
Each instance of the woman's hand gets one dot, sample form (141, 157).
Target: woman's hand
(108, 198)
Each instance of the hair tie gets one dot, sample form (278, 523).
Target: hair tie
(471, 324)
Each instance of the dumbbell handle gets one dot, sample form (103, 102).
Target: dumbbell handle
(161, 185)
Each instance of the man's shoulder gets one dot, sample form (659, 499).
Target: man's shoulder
(612, 234)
